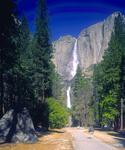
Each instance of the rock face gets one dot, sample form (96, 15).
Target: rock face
(63, 49)
(94, 40)
(17, 127)
(91, 44)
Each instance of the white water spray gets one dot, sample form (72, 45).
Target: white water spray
(75, 61)
(68, 97)
(73, 71)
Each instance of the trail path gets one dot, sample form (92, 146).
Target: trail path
(63, 140)
(84, 142)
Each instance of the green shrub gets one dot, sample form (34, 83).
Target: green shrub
(58, 114)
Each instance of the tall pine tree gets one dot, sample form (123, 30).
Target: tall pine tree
(110, 79)
(8, 45)
(42, 54)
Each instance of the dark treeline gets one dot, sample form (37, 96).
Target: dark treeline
(26, 70)
(109, 79)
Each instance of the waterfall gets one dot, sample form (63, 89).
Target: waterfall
(73, 71)
(75, 61)
(68, 97)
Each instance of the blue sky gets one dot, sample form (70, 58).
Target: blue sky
(71, 16)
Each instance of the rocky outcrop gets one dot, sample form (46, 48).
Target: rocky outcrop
(93, 41)
(17, 127)
(91, 44)
(63, 49)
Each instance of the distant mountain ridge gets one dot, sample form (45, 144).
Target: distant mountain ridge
(91, 44)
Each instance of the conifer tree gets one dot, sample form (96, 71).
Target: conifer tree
(42, 53)
(8, 45)
(110, 83)
(41, 66)
(24, 83)
(24, 38)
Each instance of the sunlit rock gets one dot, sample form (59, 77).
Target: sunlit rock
(91, 44)
(17, 127)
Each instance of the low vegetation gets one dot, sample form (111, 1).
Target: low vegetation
(58, 114)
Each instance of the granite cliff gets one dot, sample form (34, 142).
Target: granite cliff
(91, 44)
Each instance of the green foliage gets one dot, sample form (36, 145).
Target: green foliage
(82, 92)
(8, 35)
(37, 65)
(9, 31)
(109, 109)
(25, 62)
(41, 55)
(58, 114)
(109, 75)
(57, 87)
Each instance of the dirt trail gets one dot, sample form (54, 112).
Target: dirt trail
(84, 142)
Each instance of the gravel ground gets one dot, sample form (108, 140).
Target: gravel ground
(55, 140)
(65, 138)
(86, 142)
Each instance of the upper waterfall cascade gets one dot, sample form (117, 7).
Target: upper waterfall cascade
(75, 61)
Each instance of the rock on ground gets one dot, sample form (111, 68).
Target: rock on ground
(17, 127)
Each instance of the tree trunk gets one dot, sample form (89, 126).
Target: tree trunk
(1, 94)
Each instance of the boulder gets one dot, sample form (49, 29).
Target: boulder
(17, 127)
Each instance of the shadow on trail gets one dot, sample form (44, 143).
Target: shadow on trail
(121, 143)
(40, 132)
(117, 135)
(103, 129)
(56, 131)
(120, 137)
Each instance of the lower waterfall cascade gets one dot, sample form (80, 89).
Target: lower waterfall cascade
(68, 97)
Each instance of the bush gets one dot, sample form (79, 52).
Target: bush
(58, 114)
(109, 110)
